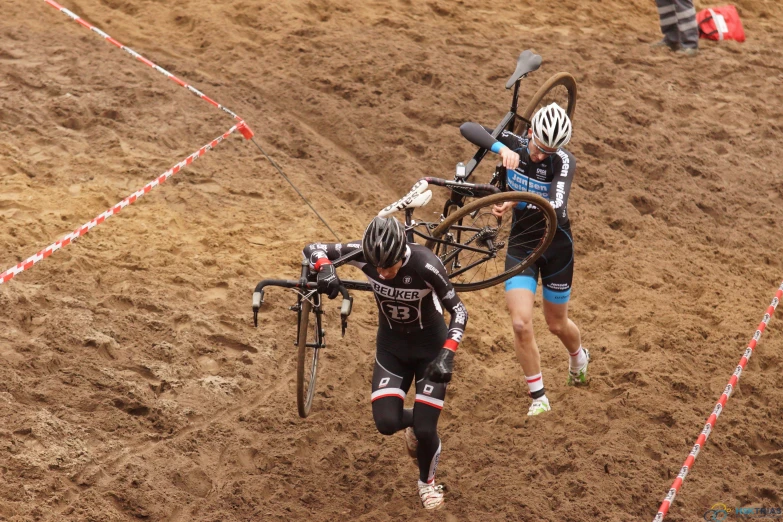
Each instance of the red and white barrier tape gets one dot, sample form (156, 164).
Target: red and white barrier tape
(710, 425)
(70, 238)
(144, 60)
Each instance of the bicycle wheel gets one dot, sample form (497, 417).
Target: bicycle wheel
(475, 241)
(560, 88)
(307, 358)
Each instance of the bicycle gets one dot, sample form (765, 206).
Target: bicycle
(468, 237)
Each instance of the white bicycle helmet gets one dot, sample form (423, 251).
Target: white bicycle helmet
(551, 126)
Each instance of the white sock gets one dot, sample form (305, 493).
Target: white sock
(578, 359)
(535, 382)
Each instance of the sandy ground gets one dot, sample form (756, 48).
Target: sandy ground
(132, 383)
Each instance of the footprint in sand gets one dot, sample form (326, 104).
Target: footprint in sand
(208, 364)
(219, 292)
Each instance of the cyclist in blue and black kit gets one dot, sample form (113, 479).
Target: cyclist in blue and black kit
(538, 163)
(413, 345)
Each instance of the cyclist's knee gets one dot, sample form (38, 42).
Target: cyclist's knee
(557, 325)
(523, 327)
(426, 433)
(556, 317)
(388, 425)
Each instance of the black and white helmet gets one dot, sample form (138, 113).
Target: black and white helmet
(384, 242)
(551, 126)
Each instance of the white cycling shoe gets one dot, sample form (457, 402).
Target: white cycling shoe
(431, 495)
(539, 406)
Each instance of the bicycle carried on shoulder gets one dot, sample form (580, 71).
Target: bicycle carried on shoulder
(469, 238)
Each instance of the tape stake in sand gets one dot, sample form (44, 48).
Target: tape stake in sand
(710, 425)
(70, 238)
(139, 57)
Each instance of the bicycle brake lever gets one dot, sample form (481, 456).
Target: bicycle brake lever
(345, 311)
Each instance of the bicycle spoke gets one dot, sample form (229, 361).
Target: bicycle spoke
(465, 269)
(468, 258)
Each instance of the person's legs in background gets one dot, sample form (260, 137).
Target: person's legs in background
(678, 25)
(668, 17)
(687, 26)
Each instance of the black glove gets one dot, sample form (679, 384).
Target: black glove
(441, 368)
(328, 282)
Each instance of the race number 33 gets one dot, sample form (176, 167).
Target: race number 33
(400, 312)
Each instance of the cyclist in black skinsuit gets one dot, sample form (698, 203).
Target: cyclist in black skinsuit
(410, 284)
(537, 163)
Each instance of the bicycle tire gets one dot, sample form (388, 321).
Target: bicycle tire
(449, 252)
(305, 384)
(560, 79)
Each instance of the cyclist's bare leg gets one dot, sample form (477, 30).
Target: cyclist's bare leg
(565, 329)
(520, 306)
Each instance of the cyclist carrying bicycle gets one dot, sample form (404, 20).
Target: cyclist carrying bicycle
(538, 163)
(410, 284)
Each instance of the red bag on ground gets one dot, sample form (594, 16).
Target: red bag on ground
(720, 23)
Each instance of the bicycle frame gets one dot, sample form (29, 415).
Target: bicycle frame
(507, 123)
(460, 188)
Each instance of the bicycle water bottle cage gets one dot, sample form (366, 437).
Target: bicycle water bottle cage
(526, 63)
(417, 197)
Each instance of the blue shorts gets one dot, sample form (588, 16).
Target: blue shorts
(556, 266)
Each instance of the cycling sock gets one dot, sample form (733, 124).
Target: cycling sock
(578, 358)
(535, 383)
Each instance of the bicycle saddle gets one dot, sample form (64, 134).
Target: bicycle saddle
(417, 197)
(526, 63)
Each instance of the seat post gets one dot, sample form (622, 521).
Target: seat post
(408, 223)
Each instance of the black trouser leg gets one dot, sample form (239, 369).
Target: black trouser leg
(429, 402)
(668, 19)
(425, 426)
